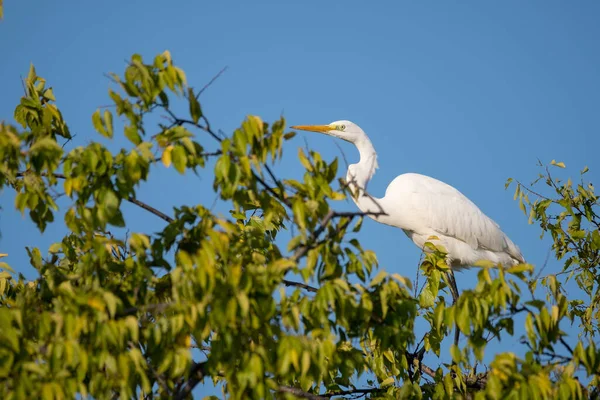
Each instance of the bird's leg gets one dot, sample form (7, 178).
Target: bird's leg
(453, 287)
(455, 294)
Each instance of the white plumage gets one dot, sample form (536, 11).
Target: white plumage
(424, 207)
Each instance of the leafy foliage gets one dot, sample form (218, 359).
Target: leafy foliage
(154, 314)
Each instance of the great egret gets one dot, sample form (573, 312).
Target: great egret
(423, 207)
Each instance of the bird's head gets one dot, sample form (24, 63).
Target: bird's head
(346, 130)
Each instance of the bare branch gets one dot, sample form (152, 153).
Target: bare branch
(150, 209)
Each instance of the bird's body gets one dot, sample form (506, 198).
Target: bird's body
(426, 209)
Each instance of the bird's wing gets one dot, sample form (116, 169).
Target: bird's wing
(427, 204)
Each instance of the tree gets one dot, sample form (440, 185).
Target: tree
(278, 300)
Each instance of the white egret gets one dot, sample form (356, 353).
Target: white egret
(424, 207)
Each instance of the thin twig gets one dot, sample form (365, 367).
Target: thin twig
(416, 291)
(564, 343)
(275, 180)
(270, 190)
(214, 78)
(23, 84)
(534, 193)
(343, 154)
(544, 265)
(181, 121)
(68, 140)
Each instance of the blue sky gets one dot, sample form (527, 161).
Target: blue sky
(469, 93)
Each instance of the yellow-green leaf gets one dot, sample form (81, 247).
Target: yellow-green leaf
(166, 156)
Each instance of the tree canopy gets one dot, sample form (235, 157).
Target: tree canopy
(276, 300)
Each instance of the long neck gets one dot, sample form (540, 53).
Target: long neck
(359, 175)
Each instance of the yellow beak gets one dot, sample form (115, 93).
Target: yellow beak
(313, 128)
(3, 255)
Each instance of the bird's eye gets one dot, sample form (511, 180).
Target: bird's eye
(342, 127)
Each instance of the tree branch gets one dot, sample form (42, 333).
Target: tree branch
(564, 343)
(130, 199)
(414, 359)
(302, 250)
(197, 373)
(300, 393)
(159, 307)
(325, 396)
(150, 209)
(270, 190)
(300, 285)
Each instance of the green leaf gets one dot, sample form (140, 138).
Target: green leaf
(303, 160)
(131, 133)
(381, 275)
(388, 381)
(111, 303)
(55, 248)
(462, 317)
(179, 158)
(7, 267)
(455, 353)
(195, 110)
(97, 121)
(48, 94)
(299, 209)
(426, 298)
(108, 123)
(539, 304)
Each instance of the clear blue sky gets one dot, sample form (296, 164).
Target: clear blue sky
(470, 93)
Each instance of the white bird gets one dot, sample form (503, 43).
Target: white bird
(424, 207)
